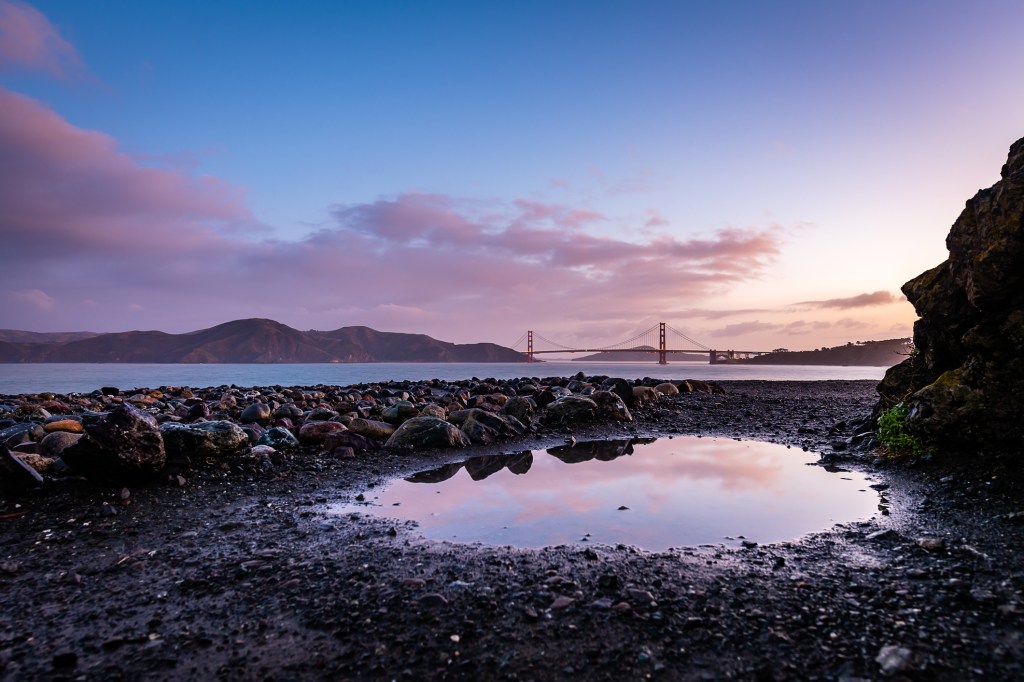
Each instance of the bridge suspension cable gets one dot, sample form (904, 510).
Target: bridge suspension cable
(675, 331)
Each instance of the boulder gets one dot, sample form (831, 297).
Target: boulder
(520, 407)
(961, 385)
(314, 433)
(372, 429)
(433, 410)
(645, 394)
(571, 409)
(256, 413)
(54, 443)
(126, 445)
(21, 433)
(288, 411)
(621, 388)
(667, 388)
(15, 475)
(186, 443)
(399, 412)
(68, 425)
(427, 432)
(278, 438)
(611, 406)
(483, 427)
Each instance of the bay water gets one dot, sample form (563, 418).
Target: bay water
(87, 377)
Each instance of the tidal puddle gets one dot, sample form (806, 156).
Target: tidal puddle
(654, 494)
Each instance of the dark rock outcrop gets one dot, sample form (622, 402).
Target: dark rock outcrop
(125, 445)
(962, 385)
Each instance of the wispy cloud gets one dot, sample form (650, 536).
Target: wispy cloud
(858, 301)
(95, 223)
(29, 41)
(37, 298)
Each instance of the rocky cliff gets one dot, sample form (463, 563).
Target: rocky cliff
(963, 385)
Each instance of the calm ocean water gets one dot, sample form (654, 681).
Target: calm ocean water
(83, 378)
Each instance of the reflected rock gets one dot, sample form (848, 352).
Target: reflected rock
(480, 468)
(436, 475)
(520, 463)
(604, 450)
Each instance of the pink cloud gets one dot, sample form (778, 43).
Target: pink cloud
(162, 248)
(34, 297)
(858, 301)
(742, 328)
(28, 40)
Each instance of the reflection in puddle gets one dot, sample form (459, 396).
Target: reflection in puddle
(652, 493)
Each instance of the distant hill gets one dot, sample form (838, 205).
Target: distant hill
(17, 336)
(253, 341)
(872, 353)
(641, 356)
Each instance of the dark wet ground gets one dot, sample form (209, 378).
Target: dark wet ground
(239, 576)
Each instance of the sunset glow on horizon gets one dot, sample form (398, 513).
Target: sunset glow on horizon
(759, 175)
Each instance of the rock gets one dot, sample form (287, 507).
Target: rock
(54, 443)
(667, 388)
(256, 413)
(427, 432)
(645, 394)
(520, 407)
(288, 411)
(433, 410)
(198, 411)
(962, 384)
(124, 445)
(895, 659)
(621, 388)
(40, 463)
(356, 442)
(483, 427)
(67, 425)
(561, 603)
(21, 433)
(399, 412)
(215, 439)
(15, 475)
(314, 433)
(432, 600)
(931, 544)
(278, 438)
(611, 406)
(320, 414)
(371, 429)
(571, 409)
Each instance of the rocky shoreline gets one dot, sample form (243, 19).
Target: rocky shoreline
(220, 559)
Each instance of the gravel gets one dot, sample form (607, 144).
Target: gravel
(243, 574)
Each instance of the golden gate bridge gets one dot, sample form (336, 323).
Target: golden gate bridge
(532, 344)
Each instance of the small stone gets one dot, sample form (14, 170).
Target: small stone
(65, 425)
(107, 510)
(895, 659)
(931, 544)
(432, 600)
(561, 603)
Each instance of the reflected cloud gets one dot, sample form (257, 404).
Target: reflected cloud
(659, 493)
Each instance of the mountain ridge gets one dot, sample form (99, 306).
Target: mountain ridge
(246, 341)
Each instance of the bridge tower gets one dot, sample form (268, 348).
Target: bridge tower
(662, 357)
(529, 346)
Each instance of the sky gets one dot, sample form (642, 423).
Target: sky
(756, 174)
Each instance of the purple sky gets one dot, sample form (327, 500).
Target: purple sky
(756, 174)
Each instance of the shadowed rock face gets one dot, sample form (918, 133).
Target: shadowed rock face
(963, 386)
